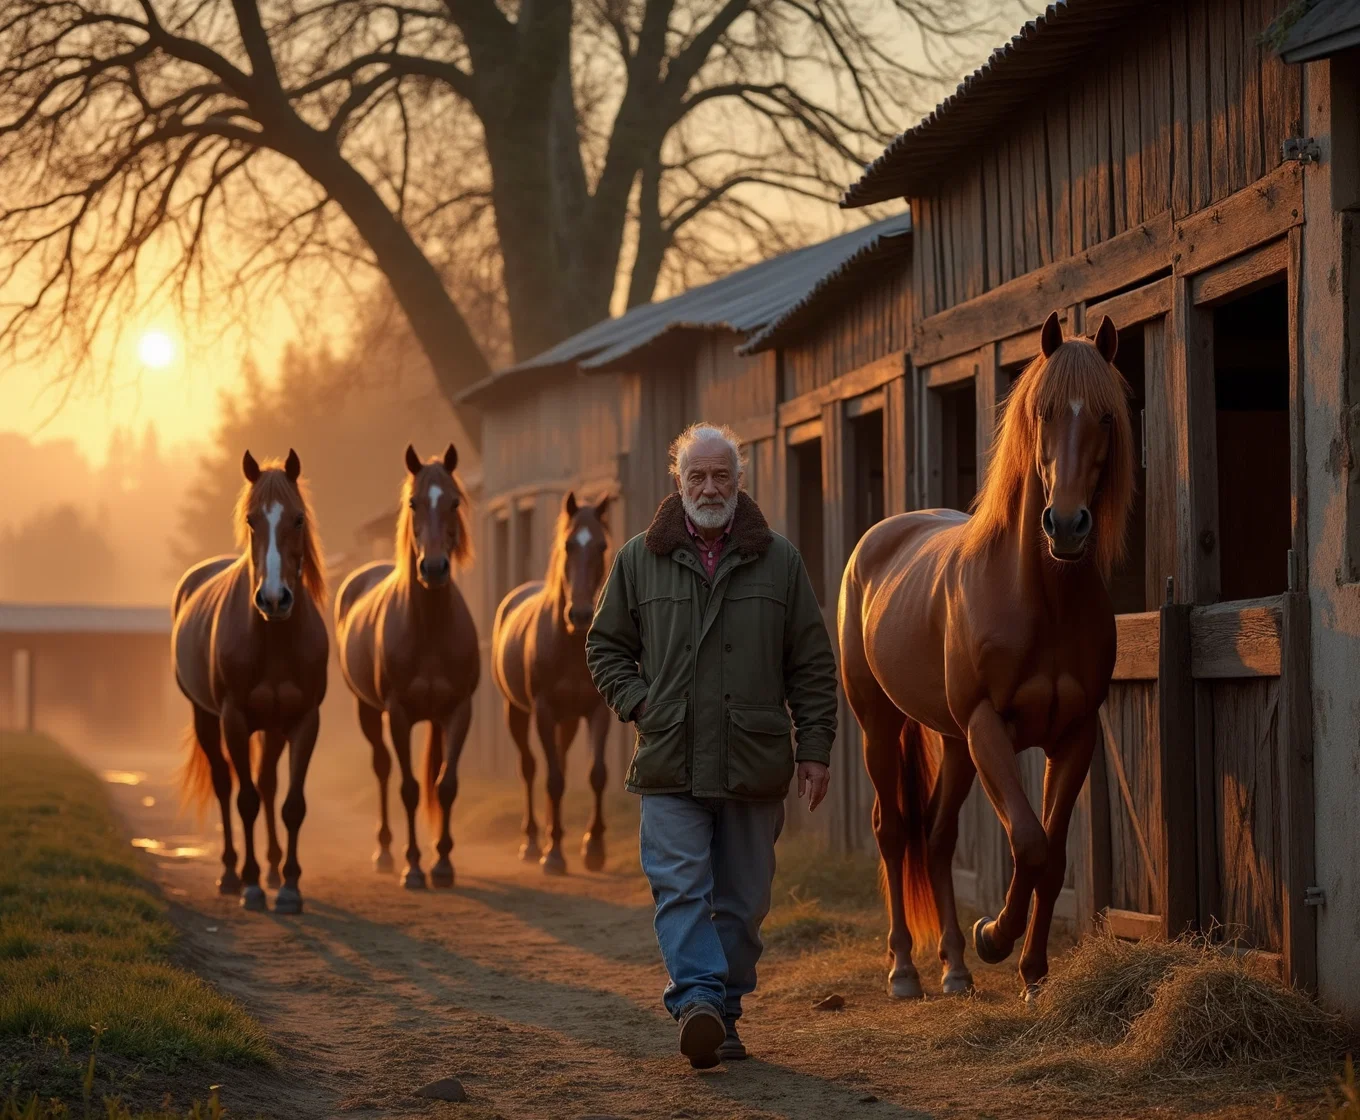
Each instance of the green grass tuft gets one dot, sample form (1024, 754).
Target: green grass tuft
(84, 939)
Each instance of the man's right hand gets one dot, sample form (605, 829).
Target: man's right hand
(637, 712)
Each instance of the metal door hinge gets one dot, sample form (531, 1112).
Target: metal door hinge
(1314, 896)
(1302, 149)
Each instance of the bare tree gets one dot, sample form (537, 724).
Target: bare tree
(215, 150)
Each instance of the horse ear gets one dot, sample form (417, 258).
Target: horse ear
(250, 468)
(1050, 338)
(450, 458)
(413, 463)
(602, 506)
(1107, 339)
(569, 506)
(292, 465)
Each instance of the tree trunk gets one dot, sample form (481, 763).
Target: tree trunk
(653, 239)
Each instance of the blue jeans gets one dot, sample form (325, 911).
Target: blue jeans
(710, 863)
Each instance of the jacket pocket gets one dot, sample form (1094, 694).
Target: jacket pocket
(660, 759)
(759, 751)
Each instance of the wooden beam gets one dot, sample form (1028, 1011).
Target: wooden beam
(865, 379)
(755, 428)
(1297, 837)
(989, 389)
(1298, 459)
(1229, 641)
(951, 372)
(1018, 348)
(1140, 305)
(864, 404)
(1131, 925)
(1267, 209)
(1159, 484)
(1240, 275)
(1136, 658)
(1176, 758)
(1023, 303)
(803, 433)
(899, 447)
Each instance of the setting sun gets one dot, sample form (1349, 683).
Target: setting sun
(156, 349)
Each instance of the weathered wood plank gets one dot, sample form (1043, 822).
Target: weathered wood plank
(1038, 251)
(949, 269)
(1239, 639)
(1130, 925)
(1118, 181)
(1176, 710)
(1154, 54)
(1252, 24)
(1159, 503)
(863, 380)
(1220, 159)
(1297, 837)
(1151, 301)
(975, 277)
(1135, 807)
(1060, 174)
(1076, 164)
(1259, 213)
(1181, 130)
(1201, 111)
(1091, 159)
(1229, 14)
(1024, 303)
(1206, 808)
(1104, 181)
(988, 393)
(754, 428)
(1094, 892)
(1138, 638)
(1018, 348)
(991, 206)
(964, 367)
(1133, 136)
(805, 432)
(1240, 275)
(899, 454)
(1190, 381)
(1298, 473)
(864, 404)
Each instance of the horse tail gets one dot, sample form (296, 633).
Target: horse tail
(916, 779)
(196, 790)
(434, 761)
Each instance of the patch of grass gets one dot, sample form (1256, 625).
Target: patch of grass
(806, 870)
(84, 939)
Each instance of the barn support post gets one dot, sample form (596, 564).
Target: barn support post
(1176, 707)
(1297, 868)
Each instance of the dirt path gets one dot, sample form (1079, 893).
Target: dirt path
(541, 995)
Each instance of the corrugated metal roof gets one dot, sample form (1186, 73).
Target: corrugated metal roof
(1328, 27)
(873, 258)
(81, 618)
(744, 301)
(1002, 86)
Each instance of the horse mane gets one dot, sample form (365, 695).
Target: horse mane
(273, 485)
(556, 576)
(1076, 371)
(462, 554)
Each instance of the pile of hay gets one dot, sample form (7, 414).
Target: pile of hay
(1183, 1007)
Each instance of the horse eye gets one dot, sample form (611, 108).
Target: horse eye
(454, 503)
(412, 503)
(297, 521)
(1107, 419)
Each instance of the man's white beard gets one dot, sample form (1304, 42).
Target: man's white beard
(709, 517)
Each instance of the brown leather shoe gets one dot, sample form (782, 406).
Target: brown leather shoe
(701, 1033)
(732, 1048)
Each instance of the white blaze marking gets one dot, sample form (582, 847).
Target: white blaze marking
(273, 562)
(435, 493)
(1077, 407)
(584, 536)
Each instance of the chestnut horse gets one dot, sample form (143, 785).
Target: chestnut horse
(996, 633)
(538, 657)
(408, 646)
(249, 648)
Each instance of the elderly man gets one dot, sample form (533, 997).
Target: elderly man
(707, 636)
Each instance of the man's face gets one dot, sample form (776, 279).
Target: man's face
(708, 484)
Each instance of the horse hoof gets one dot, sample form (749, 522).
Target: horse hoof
(530, 852)
(905, 985)
(288, 901)
(441, 875)
(987, 952)
(253, 898)
(273, 880)
(383, 863)
(414, 879)
(592, 853)
(229, 884)
(957, 983)
(1031, 992)
(553, 863)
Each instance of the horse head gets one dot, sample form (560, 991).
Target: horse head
(272, 516)
(434, 521)
(583, 539)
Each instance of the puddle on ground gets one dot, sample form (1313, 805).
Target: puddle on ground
(156, 847)
(125, 777)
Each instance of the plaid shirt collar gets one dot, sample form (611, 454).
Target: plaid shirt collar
(709, 555)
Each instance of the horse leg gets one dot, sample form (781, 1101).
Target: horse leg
(208, 732)
(518, 719)
(592, 845)
(268, 782)
(1063, 777)
(951, 790)
(414, 877)
(237, 733)
(553, 862)
(300, 744)
(994, 756)
(371, 723)
(455, 730)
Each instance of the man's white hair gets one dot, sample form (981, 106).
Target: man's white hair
(698, 433)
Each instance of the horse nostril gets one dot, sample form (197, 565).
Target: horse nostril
(1081, 524)
(259, 601)
(285, 599)
(1047, 521)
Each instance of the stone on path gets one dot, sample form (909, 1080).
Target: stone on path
(445, 1089)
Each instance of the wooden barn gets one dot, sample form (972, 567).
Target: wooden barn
(1163, 164)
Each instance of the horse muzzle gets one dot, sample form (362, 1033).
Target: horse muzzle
(274, 608)
(434, 573)
(1067, 534)
(579, 618)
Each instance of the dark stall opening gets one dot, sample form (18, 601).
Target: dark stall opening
(805, 485)
(958, 447)
(866, 486)
(1251, 393)
(1128, 586)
